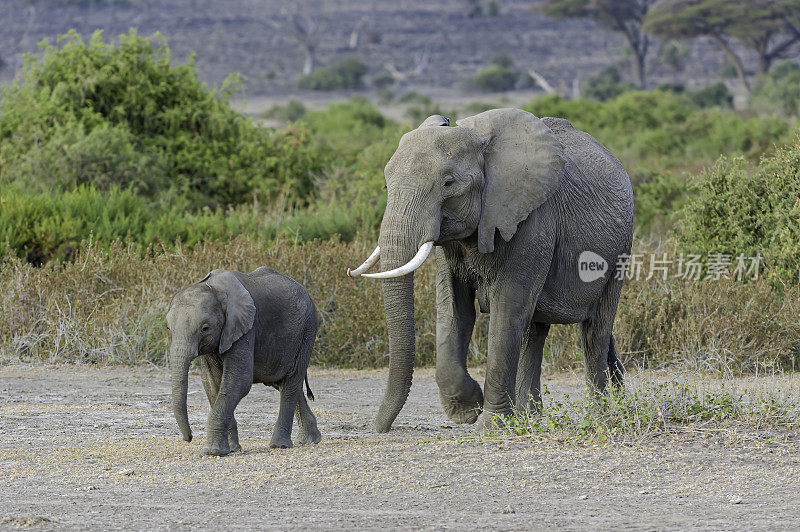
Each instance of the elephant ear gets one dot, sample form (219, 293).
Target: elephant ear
(523, 166)
(240, 310)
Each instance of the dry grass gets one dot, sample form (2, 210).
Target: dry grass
(108, 307)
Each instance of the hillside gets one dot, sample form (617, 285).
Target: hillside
(255, 38)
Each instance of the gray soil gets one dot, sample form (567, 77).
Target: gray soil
(83, 447)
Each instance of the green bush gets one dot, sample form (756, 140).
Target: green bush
(123, 116)
(291, 112)
(495, 78)
(382, 81)
(605, 85)
(780, 90)
(345, 73)
(737, 209)
(716, 95)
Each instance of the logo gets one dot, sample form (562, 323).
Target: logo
(591, 267)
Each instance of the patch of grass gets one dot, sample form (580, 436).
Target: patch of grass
(657, 409)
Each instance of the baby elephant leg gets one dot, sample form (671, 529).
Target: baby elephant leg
(211, 374)
(291, 392)
(307, 423)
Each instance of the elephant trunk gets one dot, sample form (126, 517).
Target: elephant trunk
(180, 357)
(399, 241)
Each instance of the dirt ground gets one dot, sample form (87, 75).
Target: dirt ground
(97, 448)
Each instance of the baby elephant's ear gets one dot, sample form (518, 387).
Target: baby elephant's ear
(240, 310)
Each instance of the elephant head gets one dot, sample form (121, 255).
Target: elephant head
(449, 183)
(204, 318)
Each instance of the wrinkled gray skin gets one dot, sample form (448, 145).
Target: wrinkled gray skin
(510, 202)
(247, 328)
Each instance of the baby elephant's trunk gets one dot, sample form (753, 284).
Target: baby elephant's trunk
(180, 357)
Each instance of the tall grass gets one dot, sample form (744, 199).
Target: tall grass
(107, 306)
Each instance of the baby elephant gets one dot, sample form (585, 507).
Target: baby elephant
(247, 328)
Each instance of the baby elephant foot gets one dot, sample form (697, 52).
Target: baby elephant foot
(281, 440)
(311, 436)
(218, 450)
(464, 407)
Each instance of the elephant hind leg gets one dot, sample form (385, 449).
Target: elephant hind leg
(600, 355)
(307, 423)
(529, 369)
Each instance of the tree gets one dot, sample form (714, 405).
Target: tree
(771, 28)
(621, 16)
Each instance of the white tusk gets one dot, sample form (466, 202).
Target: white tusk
(372, 259)
(413, 264)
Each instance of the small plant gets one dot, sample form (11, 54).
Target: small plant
(497, 77)
(728, 71)
(605, 85)
(290, 112)
(716, 95)
(345, 73)
(382, 81)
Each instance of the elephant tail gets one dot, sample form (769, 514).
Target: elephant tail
(309, 393)
(615, 367)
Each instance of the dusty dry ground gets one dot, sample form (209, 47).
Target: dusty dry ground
(83, 447)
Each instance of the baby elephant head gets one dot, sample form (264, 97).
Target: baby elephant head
(204, 318)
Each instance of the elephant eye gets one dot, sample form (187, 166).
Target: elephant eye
(450, 182)
(205, 327)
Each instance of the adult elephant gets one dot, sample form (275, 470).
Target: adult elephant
(560, 202)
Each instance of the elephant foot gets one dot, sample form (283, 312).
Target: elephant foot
(235, 447)
(464, 407)
(218, 451)
(280, 441)
(313, 436)
(490, 422)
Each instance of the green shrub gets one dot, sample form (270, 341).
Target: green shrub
(735, 208)
(105, 157)
(382, 80)
(605, 85)
(345, 73)
(495, 78)
(675, 88)
(780, 90)
(290, 112)
(716, 95)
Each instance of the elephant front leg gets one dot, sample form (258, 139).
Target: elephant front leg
(237, 378)
(459, 393)
(211, 374)
(509, 317)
